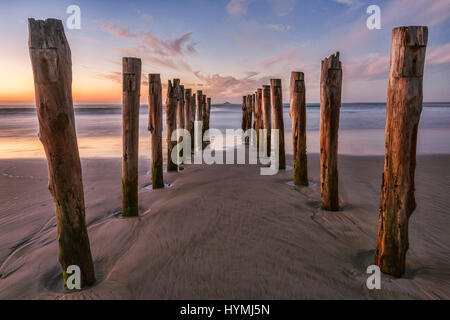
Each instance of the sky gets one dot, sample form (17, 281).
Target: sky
(227, 48)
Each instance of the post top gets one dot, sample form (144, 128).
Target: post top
(414, 36)
(275, 82)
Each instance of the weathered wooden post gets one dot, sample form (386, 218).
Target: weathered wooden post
(193, 106)
(130, 135)
(266, 117)
(248, 116)
(297, 111)
(258, 117)
(244, 113)
(199, 105)
(188, 117)
(52, 69)
(203, 115)
(180, 118)
(155, 128)
(278, 122)
(207, 115)
(404, 106)
(330, 104)
(171, 122)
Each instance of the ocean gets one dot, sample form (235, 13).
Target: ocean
(361, 130)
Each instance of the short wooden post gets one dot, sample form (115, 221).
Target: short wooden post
(258, 116)
(171, 122)
(244, 113)
(267, 117)
(278, 122)
(404, 106)
(130, 135)
(52, 69)
(297, 111)
(155, 127)
(330, 104)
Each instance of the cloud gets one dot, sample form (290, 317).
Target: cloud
(145, 16)
(179, 46)
(238, 7)
(375, 66)
(282, 7)
(287, 57)
(348, 2)
(278, 27)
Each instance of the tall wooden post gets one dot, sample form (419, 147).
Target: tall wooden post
(180, 117)
(266, 117)
(188, 116)
(203, 115)
(171, 122)
(404, 106)
(193, 106)
(278, 122)
(248, 117)
(297, 111)
(330, 104)
(207, 114)
(199, 105)
(155, 128)
(52, 69)
(130, 135)
(258, 116)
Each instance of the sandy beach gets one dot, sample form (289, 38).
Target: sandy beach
(224, 232)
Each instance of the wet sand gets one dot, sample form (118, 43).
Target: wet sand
(224, 232)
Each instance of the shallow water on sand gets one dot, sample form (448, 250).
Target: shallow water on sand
(99, 127)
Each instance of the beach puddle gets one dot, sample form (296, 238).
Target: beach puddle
(292, 184)
(150, 187)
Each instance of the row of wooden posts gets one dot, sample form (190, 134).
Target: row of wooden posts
(182, 109)
(51, 62)
(404, 105)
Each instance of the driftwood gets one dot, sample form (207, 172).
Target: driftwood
(171, 121)
(404, 106)
(155, 125)
(278, 122)
(52, 69)
(297, 111)
(330, 104)
(266, 117)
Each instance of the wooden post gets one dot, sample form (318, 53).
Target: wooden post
(52, 69)
(130, 135)
(330, 104)
(278, 123)
(188, 116)
(404, 106)
(155, 128)
(258, 116)
(244, 113)
(193, 105)
(203, 115)
(208, 113)
(199, 105)
(171, 122)
(180, 117)
(266, 117)
(297, 111)
(248, 116)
